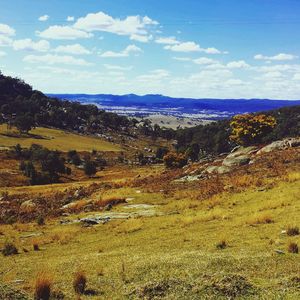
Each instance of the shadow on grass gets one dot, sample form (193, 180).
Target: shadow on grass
(26, 136)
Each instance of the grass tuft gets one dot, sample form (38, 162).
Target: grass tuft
(293, 248)
(9, 249)
(43, 286)
(292, 230)
(79, 282)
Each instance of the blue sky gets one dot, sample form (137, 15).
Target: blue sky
(192, 48)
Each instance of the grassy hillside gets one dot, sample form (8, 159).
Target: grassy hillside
(55, 139)
(186, 240)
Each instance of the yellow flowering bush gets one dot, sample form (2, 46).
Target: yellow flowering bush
(249, 128)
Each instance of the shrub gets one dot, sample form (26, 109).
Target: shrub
(9, 249)
(249, 129)
(40, 220)
(89, 168)
(291, 231)
(42, 287)
(293, 248)
(79, 282)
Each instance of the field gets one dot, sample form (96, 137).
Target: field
(174, 240)
(54, 139)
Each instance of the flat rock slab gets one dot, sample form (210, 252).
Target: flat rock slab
(139, 206)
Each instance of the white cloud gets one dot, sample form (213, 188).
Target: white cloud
(212, 51)
(131, 25)
(191, 47)
(2, 54)
(184, 47)
(278, 57)
(272, 75)
(75, 49)
(167, 40)
(6, 30)
(141, 38)
(44, 18)
(70, 19)
(55, 59)
(125, 53)
(29, 45)
(204, 61)
(117, 68)
(239, 64)
(63, 33)
(5, 41)
(296, 76)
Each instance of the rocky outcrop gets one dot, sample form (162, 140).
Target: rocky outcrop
(217, 169)
(236, 161)
(280, 145)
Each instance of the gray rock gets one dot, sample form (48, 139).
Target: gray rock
(277, 145)
(217, 169)
(236, 161)
(241, 151)
(280, 145)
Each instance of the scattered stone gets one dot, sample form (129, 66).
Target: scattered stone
(279, 251)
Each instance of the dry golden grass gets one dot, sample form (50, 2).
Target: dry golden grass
(55, 139)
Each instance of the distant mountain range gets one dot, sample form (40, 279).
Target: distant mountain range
(204, 109)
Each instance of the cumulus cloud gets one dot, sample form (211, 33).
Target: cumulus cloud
(75, 49)
(167, 40)
(5, 41)
(125, 53)
(204, 61)
(133, 26)
(6, 30)
(44, 18)
(70, 19)
(141, 38)
(63, 33)
(29, 45)
(279, 57)
(191, 47)
(56, 59)
(184, 47)
(239, 64)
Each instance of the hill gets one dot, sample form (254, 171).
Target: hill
(197, 109)
(220, 237)
(54, 139)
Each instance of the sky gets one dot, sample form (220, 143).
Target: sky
(188, 48)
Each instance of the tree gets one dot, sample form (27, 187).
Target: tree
(24, 123)
(193, 152)
(74, 157)
(161, 152)
(249, 129)
(175, 160)
(90, 168)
